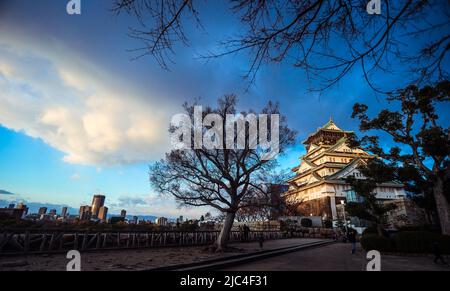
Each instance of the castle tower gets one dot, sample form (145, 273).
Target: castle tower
(320, 178)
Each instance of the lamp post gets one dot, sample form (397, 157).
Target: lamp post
(345, 219)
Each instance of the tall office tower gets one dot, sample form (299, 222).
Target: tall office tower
(11, 206)
(123, 213)
(85, 212)
(52, 212)
(103, 211)
(42, 210)
(24, 207)
(64, 212)
(97, 202)
(161, 221)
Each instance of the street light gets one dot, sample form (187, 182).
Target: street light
(345, 219)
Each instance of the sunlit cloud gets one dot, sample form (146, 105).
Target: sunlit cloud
(90, 116)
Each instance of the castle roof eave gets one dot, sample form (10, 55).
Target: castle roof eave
(307, 142)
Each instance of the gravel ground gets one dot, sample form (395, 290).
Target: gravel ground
(137, 259)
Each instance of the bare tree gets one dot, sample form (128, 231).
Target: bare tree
(325, 38)
(225, 179)
(292, 207)
(161, 23)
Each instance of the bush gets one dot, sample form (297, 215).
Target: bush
(426, 228)
(373, 230)
(421, 242)
(328, 223)
(406, 242)
(373, 241)
(306, 222)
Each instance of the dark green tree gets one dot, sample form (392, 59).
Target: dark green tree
(421, 142)
(370, 208)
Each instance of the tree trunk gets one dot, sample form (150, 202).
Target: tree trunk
(380, 230)
(224, 235)
(442, 206)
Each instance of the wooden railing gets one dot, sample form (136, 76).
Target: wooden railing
(27, 241)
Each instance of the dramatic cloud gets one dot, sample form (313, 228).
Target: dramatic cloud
(92, 117)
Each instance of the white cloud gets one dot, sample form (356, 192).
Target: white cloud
(90, 116)
(75, 176)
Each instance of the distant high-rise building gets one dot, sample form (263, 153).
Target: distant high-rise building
(103, 211)
(135, 220)
(11, 206)
(52, 212)
(64, 212)
(42, 210)
(161, 221)
(180, 219)
(12, 212)
(123, 213)
(97, 202)
(85, 212)
(24, 207)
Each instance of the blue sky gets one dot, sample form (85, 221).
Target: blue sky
(78, 116)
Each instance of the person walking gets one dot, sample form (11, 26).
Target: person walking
(351, 236)
(438, 254)
(261, 240)
(246, 232)
(241, 233)
(335, 238)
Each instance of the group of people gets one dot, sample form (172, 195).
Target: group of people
(245, 231)
(245, 237)
(350, 236)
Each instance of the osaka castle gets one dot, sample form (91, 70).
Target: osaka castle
(319, 182)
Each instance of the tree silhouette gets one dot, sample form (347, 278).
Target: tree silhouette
(325, 38)
(421, 143)
(370, 208)
(225, 179)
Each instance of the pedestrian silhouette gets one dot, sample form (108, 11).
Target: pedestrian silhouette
(438, 254)
(246, 232)
(351, 236)
(261, 240)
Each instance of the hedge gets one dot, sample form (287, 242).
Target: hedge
(421, 242)
(407, 242)
(306, 222)
(373, 241)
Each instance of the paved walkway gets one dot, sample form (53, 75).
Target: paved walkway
(275, 244)
(337, 257)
